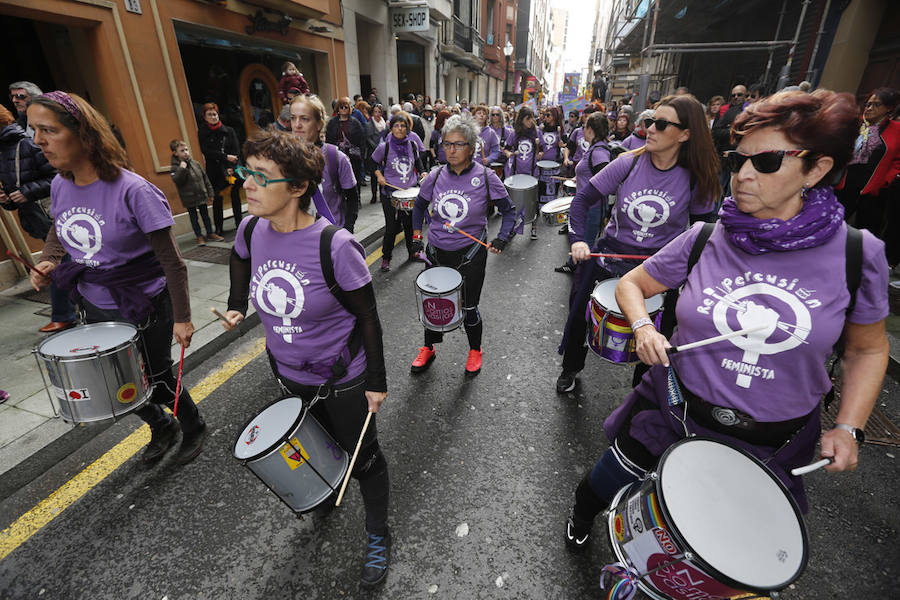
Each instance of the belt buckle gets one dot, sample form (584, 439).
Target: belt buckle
(725, 416)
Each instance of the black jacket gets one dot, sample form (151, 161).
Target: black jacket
(721, 129)
(355, 133)
(35, 173)
(418, 127)
(215, 144)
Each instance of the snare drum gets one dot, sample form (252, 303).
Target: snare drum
(569, 187)
(404, 199)
(556, 212)
(286, 447)
(439, 298)
(523, 191)
(548, 169)
(610, 335)
(96, 371)
(711, 522)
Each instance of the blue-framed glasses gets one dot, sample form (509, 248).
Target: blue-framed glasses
(260, 178)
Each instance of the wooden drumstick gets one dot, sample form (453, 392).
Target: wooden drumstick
(353, 459)
(457, 230)
(394, 186)
(222, 317)
(558, 178)
(607, 255)
(715, 339)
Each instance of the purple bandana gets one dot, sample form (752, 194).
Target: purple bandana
(819, 219)
(400, 147)
(65, 100)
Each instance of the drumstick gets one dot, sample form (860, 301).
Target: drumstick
(178, 383)
(18, 258)
(558, 178)
(394, 186)
(353, 460)
(715, 339)
(457, 230)
(224, 319)
(812, 467)
(606, 255)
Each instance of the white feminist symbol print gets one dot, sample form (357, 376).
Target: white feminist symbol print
(549, 139)
(585, 145)
(643, 211)
(479, 147)
(83, 233)
(402, 166)
(751, 314)
(525, 149)
(452, 207)
(275, 300)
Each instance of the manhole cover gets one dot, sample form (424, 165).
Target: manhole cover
(209, 254)
(879, 429)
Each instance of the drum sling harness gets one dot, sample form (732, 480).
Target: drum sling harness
(354, 342)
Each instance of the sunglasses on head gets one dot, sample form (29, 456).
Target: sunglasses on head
(764, 162)
(661, 124)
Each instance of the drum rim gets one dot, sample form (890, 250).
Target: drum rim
(117, 348)
(427, 268)
(531, 184)
(555, 204)
(304, 410)
(558, 165)
(395, 193)
(653, 313)
(673, 530)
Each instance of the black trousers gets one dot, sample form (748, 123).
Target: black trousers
(219, 212)
(394, 221)
(471, 267)
(156, 349)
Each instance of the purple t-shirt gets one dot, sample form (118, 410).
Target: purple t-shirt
(525, 149)
(551, 145)
(105, 224)
(461, 200)
(581, 144)
(346, 180)
(801, 296)
(398, 169)
(634, 141)
(502, 132)
(652, 206)
(414, 137)
(306, 327)
(487, 147)
(597, 154)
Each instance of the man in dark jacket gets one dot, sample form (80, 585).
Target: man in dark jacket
(721, 130)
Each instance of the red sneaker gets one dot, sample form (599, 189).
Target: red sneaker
(473, 363)
(423, 360)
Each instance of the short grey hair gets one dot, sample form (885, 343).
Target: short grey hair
(32, 89)
(285, 114)
(408, 107)
(463, 124)
(647, 114)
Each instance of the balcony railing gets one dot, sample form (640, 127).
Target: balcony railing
(462, 34)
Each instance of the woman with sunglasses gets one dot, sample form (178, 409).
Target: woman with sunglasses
(659, 189)
(399, 168)
(459, 194)
(348, 135)
(339, 189)
(774, 261)
(320, 342)
(497, 124)
(125, 266)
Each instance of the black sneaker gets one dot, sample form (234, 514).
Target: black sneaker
(566, 268)
(378, 556)
(578, 533)
(534, 232)
(565, 382)
(563, 230)
(191, 445)
(161, 439)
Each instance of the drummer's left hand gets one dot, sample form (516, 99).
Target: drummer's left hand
(375, 400)
(567, 162)
(183, 333)
(497, 246)
(840, 445)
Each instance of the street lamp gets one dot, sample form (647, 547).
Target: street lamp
(507, 52)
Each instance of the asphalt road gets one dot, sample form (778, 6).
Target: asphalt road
(500, 453)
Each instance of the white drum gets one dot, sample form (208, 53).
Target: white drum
(569, 187)
(710, 522)
(439, 298)
(290, 452)
(405, 199)
(556, 212)
(95, 371)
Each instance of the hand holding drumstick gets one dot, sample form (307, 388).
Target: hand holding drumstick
(230, 319)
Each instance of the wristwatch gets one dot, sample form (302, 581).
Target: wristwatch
(858, 434)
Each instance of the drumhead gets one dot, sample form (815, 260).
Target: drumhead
(520, 182)
(556, 206)
(604, 294)
(733, 513)
(267, 430)
(438, 280)
(569, 184)
(547, 164)
(407, 194)
(496, 165)
(87, 339)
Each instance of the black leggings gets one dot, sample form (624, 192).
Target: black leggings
(394, 220)
(472, 272)
(342, 415)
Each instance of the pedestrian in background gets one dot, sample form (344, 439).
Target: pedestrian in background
(438, 156)
(291, 79)
(194, 189)
(21, 92)
(712, 109)
(347, 134)
(221, 151)
(638, 136)
(375, 129)
(622, 128)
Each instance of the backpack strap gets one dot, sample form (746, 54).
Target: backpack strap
(248, 232)
(354, 342)
(853, 266)
(699, 244)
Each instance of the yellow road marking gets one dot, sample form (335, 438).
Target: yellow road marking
(51, 507)
(370, 260)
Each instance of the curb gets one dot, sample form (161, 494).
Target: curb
(40, 462)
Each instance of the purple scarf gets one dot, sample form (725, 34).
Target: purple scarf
(820, 218)
(400, 147)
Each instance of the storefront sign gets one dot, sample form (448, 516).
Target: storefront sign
(258, 22)
(409, 19)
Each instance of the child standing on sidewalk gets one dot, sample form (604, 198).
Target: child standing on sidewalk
(194, 188)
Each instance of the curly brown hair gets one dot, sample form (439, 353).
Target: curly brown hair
(298, 160)
(98, 141)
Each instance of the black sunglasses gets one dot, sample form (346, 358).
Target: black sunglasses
(764, 162)
(661, 124)
(19, 96)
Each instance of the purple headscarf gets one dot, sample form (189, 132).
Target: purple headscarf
(65, 100)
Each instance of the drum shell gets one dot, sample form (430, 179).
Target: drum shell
(300, 487)
(524, 194)
(439, 309)
(556, 212)
(569, 188)
(88, 387)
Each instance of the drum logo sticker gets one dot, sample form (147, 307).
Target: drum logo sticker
(620, 527)
(279, 292)
(453, 206)
(78, 394)
(665, 542)
(80, 229)
(127, 393)
(439, 311)
(777, 306)
(635, 518)
(252, 435)
(294, 454)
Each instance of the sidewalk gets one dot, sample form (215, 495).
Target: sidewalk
(28, 429)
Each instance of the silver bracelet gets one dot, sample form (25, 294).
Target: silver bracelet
(640, 323)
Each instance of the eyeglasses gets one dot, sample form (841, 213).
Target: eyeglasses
(738, 95)
(661, 124)
(764, 162)
(496, 114)
(456, 145)
(260, 178)
(18, 96)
